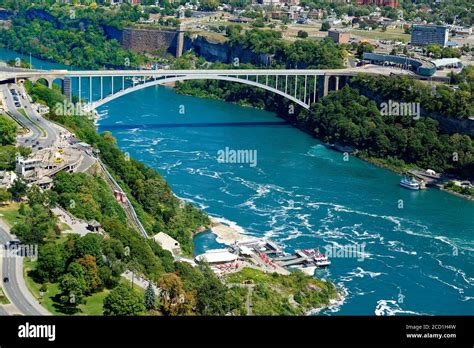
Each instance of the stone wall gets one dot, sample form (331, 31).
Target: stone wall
(150, 40)
(222, 52)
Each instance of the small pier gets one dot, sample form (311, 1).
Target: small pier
(298, 258)
(430, 179)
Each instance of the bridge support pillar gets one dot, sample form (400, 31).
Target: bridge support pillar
(180, 42)
(67, 88)
(50, 83)
(326, 85)
(336, 84)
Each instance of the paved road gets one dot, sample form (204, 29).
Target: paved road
(16, 289)
(34, 133)
(249, 288)
(52, 135)
(3, 312)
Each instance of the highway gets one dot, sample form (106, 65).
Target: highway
(34, 133)
(35, 122)
(15, 288)
(51, 132)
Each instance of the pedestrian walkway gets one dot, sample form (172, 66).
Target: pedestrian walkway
(78, 226)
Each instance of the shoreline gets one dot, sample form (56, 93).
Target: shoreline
(375, 161)
(227, 232)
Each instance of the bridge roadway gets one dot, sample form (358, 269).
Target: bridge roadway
(301, 86)
(12, 73)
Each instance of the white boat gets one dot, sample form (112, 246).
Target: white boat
(410, 183)
(320, 259)
(322, 263)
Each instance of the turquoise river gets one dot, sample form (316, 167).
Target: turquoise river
(416, 248)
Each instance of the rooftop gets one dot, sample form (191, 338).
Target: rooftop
(217, 256)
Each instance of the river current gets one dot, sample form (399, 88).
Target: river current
(415, 249)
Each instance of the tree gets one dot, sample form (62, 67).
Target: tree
(150, 299)
(7, 131)
(90, 245)
(325, 26)
(5, 196)
(174, 298)
(18, 189)
(123, 301)
(302, 34)
(37, 227)
(91, 273)
(434, 50)
(363, 47)
(51, 262)
(209, 5)
(72, 290)
(213, 298)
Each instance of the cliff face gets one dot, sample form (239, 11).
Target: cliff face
(113, 33)
(150, 40)
(449, 125)
(208, 50)
(223, 52)
(166, 41)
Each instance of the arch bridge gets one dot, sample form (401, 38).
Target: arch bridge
(96, 88)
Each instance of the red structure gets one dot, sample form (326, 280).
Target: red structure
(380, 3)
(120, 196)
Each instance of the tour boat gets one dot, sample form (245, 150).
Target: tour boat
(410, 183)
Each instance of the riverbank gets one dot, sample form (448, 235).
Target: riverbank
(228, 232)
(383, 141)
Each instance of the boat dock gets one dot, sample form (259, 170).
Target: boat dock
(297, 258)
(430, 179)
(265, 256)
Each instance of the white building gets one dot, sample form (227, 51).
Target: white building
(25, 166)
(168, 243)
(216, 256)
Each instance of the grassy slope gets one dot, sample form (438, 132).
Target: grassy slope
(275, 294)
(9, 214)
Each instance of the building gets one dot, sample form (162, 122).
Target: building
(25, 166)
(454, 63)
(381, 3)
(423, 35)
(93, 226)
(461, 30)
(316, 14)
(216, 257)
(419, 66)
(168, 243)
(339, 36)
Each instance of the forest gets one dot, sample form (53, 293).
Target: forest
(74, 38)
(349, 118)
